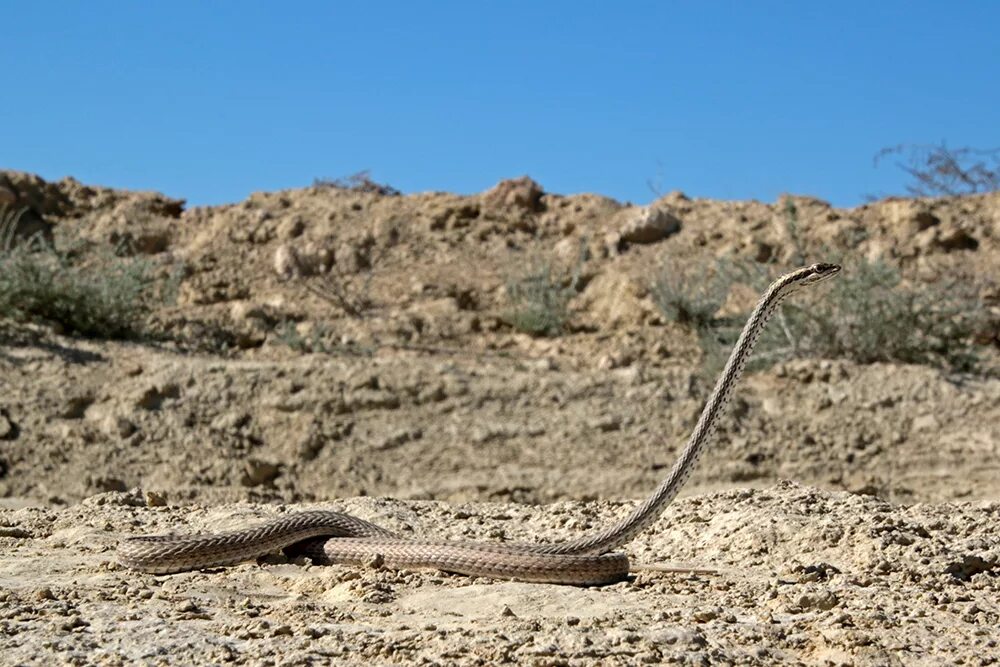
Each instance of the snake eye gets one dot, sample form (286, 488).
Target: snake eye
(824, 270)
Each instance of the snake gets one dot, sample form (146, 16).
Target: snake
(329, 537)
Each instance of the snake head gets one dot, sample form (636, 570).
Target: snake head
(819, 272)
(804, 277)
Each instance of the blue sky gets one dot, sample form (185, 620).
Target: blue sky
(210, 101)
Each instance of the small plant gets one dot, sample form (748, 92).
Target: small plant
(102, 296)
(351, 295)
(539, 302)
(539, 297)
(317, 341)
(359, 182)
(939, 170)
(690, 294)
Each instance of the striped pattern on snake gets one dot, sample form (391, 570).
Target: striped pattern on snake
(331, 537)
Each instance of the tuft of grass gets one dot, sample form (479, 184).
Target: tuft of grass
(102, 296)
(690, 294)
(539, 302)
(539, 296)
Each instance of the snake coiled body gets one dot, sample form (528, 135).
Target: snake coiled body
(332, 537)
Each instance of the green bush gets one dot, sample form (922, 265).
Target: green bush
(690, 294)
(102, 296)
(539, 303)
(867, 314)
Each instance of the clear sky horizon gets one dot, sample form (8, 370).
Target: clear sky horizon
(731, 100)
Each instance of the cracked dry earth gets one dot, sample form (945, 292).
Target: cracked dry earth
(801, 576)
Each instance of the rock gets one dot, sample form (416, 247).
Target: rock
(613, 244)
(648, 225)
(926, 422)
(387, 230)
(36, 193)
(76, 406)
(7, 196)
(151, 243)
(242, 311)
(231, 421)
(250, 337)
(522, 193)
(257, 472)
(117, 426)
(615, 300)
(108, 485)
(956, 239)
(287, 263)
(152, 397)
(908, 217)
(154, 499)
(571, 252)
(351, 258)
(451, 213)
(7, 429)
(292, 227)
(823, 600)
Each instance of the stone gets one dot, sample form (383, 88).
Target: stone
(350, 258)
(570, 251)
(926, 422)
(34, 192)
(522, 193)
(648, 225)
(154, 499)
(292, 228)
(152, 397)
(257, 472)
(908, 217)
(287, 263)
(6, 427)
(956, 239)
(241, 311)
(121, 427)
(75, 406)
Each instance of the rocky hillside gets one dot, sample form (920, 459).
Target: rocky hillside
(345, 340)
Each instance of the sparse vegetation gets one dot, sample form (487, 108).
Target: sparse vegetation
(868, 314)
(539, 299)
(352, 294)
(941, 171)
(96, 295)
(318, 339)
(358, 182)
(690, 294)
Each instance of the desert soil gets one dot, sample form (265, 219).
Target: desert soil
(339, 348)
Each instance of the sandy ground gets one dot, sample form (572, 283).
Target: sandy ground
(800, 576)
